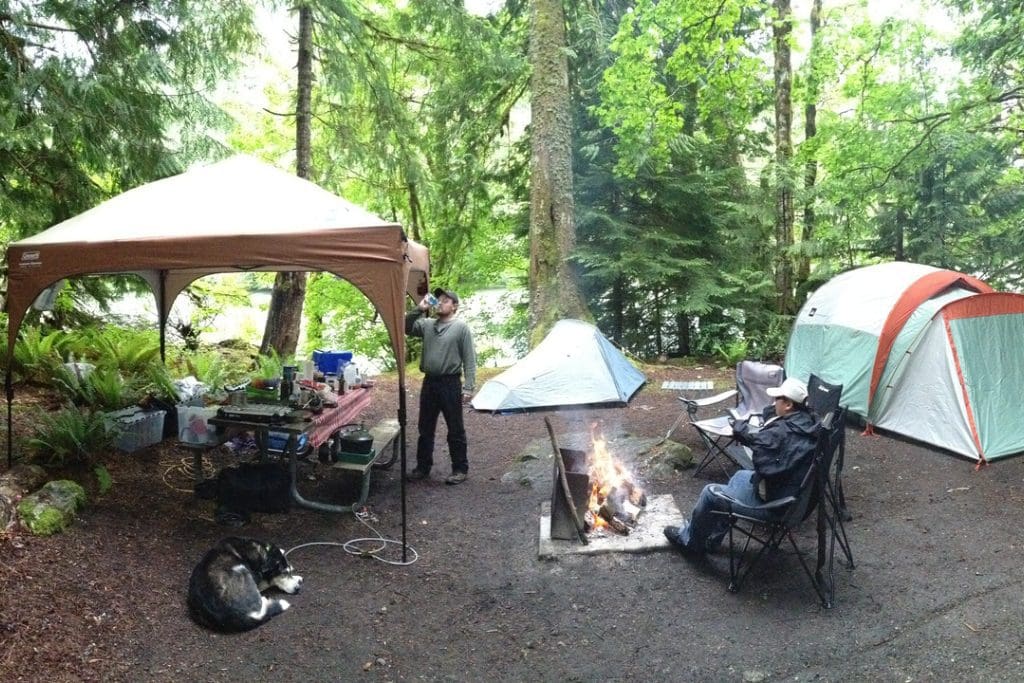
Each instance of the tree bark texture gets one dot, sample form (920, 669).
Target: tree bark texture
(284, 317)
(810, 131)
(554, 292)
(784, 212)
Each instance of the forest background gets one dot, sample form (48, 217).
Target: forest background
(727, 156)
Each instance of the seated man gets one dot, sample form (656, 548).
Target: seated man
(783, 449)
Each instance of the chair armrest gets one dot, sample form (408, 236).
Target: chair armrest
(770, 505)
(753, 418)
(708, 400)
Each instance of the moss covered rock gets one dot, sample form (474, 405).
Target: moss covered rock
(51, 508)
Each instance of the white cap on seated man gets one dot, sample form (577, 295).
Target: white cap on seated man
(791, 388)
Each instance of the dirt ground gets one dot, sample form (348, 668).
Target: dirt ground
(935, 594)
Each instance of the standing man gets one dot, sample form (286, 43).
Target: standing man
(447, 355)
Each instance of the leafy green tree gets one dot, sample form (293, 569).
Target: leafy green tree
(100, 97)
(104, 96)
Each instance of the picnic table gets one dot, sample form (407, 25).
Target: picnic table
(318, 428)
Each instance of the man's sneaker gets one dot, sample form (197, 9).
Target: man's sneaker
(455, 478)
(416, 475)
(672, 534)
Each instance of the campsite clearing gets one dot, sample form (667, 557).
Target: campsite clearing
(935, 595)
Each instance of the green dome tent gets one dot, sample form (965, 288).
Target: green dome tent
(928, 353)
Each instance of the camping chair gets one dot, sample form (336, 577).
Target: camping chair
(754, 531)
(830, 513)
(823, 398)
(753, 379)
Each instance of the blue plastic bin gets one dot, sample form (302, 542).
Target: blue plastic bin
(331, 362)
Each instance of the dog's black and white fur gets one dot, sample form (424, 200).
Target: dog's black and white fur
(225, 590)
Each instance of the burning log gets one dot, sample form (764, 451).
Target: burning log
(619, 508)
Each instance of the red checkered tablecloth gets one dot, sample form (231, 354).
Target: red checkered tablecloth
(350, 406)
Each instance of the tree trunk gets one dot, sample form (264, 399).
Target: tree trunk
(902, 218)
(617, 305)
(284, 318)
(554, 292)
(810, 131)
(782, 30)
(683, 341)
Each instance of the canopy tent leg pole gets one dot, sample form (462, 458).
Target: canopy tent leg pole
(161, 307)
(9, 389)
(401, 435)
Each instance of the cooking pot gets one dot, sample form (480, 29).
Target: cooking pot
(357, 441)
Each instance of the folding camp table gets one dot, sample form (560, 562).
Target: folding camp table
(318, 428)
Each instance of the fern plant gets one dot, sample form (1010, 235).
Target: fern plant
(37, 354)
(72, 436)
(100, 389)
(109, 391)
(124, 349)
(732, 352)
(270, 366)
(160, 383)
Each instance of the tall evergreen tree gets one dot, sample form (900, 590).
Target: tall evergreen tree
(554, 292)
(103, 96)
(284, 315)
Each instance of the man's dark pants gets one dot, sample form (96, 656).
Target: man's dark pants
(441, 395)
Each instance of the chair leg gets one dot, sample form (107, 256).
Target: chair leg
(744, 566)
(838, 485)
(709, 455)
(815, 577)
(834, 515)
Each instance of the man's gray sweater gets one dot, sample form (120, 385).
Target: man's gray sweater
(447, 347)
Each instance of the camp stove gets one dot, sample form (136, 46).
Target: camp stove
(261, 413)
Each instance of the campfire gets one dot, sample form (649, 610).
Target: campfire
(602, 493)
(615, 499)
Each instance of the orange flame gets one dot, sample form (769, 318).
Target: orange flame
(605, 474)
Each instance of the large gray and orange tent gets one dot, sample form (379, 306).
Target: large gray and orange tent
(237, 215)
(931, 354)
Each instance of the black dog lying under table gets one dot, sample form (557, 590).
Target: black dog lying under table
(225, 589)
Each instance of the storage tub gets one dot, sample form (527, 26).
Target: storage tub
(331, 362)
(192, 426)
(138, 428)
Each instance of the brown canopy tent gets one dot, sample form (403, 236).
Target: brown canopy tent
(233, 216)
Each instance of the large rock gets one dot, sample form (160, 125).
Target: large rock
(14, 484)
(51, 508)
(20, 479)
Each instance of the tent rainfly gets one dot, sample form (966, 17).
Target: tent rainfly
(237, 215)
(574, 365)
(927, 353)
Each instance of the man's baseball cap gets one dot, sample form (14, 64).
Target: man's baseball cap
(439, 292)
(791, 388)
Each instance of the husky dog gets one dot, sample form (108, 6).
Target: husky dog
(224, 592)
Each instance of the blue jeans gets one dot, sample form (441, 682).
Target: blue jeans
(706, 530)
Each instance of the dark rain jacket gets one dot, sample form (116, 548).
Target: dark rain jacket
(782, 452)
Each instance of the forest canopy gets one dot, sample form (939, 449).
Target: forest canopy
(728, 156)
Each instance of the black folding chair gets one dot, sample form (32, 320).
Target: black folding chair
(756, 530)
(831, 529)
(823, 398)
(753, 379)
